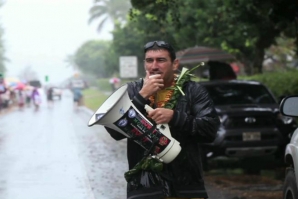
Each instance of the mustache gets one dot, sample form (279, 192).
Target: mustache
(155, 72)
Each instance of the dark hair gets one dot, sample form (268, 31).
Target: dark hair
(155, 45)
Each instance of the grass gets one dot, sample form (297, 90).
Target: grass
(93, 98)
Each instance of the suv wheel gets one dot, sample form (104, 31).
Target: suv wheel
(290, 190)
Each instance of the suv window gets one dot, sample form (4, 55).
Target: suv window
(227, 94)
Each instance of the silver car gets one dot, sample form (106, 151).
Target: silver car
(289, 107)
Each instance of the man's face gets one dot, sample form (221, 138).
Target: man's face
(159, 62)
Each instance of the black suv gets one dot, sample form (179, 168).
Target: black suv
(251, 124)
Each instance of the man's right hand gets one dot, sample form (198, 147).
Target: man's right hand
(151, 85)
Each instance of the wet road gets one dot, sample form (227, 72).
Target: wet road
(52, 153)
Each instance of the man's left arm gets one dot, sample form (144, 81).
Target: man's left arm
(203, 122)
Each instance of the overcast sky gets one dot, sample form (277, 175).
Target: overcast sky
(41, 33)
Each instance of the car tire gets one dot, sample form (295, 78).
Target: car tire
(290, 190)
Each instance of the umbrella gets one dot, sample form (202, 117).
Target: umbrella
(202, 54)
(20, 86)
(11, 81)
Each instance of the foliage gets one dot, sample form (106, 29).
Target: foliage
(104, 85)
(281, 55)
(245, 28)
(184, 76)
(96, 58)
(3, 59)
(70, 61)
(280, 83)
(93, 98)
(109, 9)
(130, 39)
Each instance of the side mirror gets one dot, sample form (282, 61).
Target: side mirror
(289, 106)
(281, 98)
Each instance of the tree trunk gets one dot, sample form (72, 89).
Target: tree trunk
(248, 66)
(258, 60)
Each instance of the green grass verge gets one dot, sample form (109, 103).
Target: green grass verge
(93, 98)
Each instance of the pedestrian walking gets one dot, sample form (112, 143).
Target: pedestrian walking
(192, 119)
(2, 90)
(50, 96)
(114, 82)
(77, 97)
(21, 97)
(36, 99)
(28, 92)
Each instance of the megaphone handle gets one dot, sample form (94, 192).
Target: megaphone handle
(163, 127)
(148, 108)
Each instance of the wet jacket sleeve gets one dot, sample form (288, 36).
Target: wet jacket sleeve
(201, 122)
(115, 134)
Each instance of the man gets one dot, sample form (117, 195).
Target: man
(192, 120)
(50, 96)
(77, 97)
(114, 82)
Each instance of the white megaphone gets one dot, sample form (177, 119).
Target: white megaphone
(120, 114)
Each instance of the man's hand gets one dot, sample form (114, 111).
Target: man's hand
(152, 84)
(161, 115)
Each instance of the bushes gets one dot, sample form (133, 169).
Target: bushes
(104, 85)
(93, 98)
(280, 83)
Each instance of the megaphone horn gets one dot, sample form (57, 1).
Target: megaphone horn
(120, 114)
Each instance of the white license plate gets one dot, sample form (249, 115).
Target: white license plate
(251, 136)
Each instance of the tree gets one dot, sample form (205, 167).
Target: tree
(245, 28)
(3, 59)
(92, 56)
(70, 60)
(109, 9)
(280, 56)
(129, 40)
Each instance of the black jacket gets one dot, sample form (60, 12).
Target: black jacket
(195, 121)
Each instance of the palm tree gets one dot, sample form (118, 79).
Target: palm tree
(109, 9)
(70, 61)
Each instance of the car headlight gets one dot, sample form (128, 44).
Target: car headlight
(285, 119)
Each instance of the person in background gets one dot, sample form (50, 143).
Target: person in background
(115, 83)
(50, 96)
(21, 97)
(28, 92)
(2, 89)
(36, 99)
(77, 97)
(192, 119)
